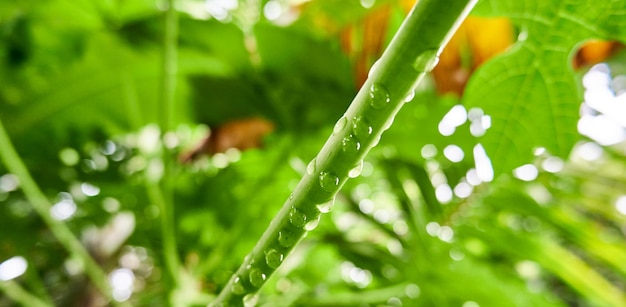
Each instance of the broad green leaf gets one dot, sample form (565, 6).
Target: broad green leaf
(530, 91)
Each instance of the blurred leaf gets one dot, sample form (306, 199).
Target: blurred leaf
(530, 91)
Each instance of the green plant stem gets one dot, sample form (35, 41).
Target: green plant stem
(42, 206)
(16, 293)
(412, 53)
(162, 193)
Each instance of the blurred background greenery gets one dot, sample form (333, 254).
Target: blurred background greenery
(428, 223)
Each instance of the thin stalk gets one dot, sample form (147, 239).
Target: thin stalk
(42, 206)
(412, 53)
(16, 293)
(162, 193)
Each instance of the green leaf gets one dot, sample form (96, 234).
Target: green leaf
(530, 91)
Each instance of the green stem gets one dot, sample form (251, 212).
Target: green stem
(13, 291)
(412, 53)
(42, 206)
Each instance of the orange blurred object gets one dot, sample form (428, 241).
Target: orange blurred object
(241, 134)
(594, 52)
(475, 42)
(364, 42)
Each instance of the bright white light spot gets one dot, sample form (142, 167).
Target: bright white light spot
(400, 228)
(608, 127)
(528, 269)
(589, 151)
(171, 140)
(89, 189)
(368, 3)
(111, 204)
(272, 10)
(8, 183)
(108, 148)
(63, 210)
(12, 268)
(234, 155)
(429, 151)
(601, 129)
(148, 139)
(539, 151)
(446, 130)
(432, 228)
(443, 192)
(220, 160)
(620, 204)
(475, 114)
(366, 206)
(455, 117)
(484, 169)
(486, 122)
(395, 247)
(445, 233)
(597, 77)
(553, 164)
(463, 189)
(476, 129)
(539, 193)
(454, 153)
(526, 172)
(122, 281)
(472, 177)
(382, 216)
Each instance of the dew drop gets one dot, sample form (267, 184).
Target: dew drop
(426, 61)
(312, 224)
(326, 206)
(328, 181)
(250, 300)
(361, 128)
(310, 168)
(257, 278)
(409, 97)
(356, 170)
(373, 69)
(350, 144)
(296, 217)
(238, 287)
(287, 238)
(341, 123)
(376, 140)
(273, 258)
(379, 96)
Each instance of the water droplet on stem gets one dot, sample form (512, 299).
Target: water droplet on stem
(257, 278)
(326, 206)
(379, 96)
(426, 61)
(238, 287)
(341, 123)
(361, 128)
(356, 170)
(273, 258)
(296, 217)
(328, 181)
(310, 168)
